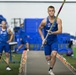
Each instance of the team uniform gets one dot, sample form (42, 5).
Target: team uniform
(52, 43)
(23, 36)
(3, 41)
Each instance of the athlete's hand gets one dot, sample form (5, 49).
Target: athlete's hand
(44, 42)
(49, 32)
(8, 41)
(20, 39)
(18, 48)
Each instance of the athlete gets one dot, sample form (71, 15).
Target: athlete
(23, 38)
(51, 44)
(4, 42)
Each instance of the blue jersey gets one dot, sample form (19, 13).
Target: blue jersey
(53, 37)
(23, 35)
(22, 32)
(3, 35)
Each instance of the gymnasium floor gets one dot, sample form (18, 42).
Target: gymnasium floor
(37, 65)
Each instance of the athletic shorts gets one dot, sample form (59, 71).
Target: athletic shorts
(5, 47)
(49, 48)
(23, 41)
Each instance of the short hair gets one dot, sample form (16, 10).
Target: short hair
(51, 7)
(3, 21)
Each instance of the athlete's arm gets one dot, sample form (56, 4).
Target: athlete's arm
(20, 46)
(41, 27)
(59, 22)
(27, 46)
(11, 37)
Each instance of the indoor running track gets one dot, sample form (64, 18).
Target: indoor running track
(37, 65)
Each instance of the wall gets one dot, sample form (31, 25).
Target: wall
(39, 10)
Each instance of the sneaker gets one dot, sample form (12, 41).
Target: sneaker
(27, 49)
(8, 68)
(51, 72)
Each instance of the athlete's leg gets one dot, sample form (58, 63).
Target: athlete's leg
(53, 58)
(47, 51)
(48, 57)
(7, 48)
(25, 41)
(7, 58)
(27, 46)
(54, 48)
(1, 50)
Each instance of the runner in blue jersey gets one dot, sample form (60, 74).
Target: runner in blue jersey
(51, 44)
(23, 38)
(4, 42)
